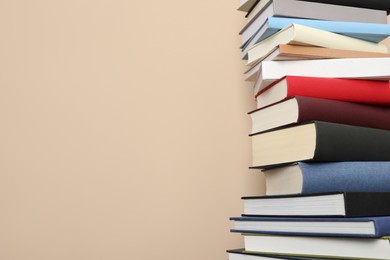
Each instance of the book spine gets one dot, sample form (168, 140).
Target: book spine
(337, 142)
(360, 204)
(343, 112)
(382, 227)
(345, 176)
(360, 91)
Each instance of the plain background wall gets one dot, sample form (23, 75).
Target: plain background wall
(123, 129)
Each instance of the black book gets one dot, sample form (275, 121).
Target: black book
(240, 254)
(320, 142)
(341, 204)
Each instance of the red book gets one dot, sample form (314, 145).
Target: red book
(353, 90)
(304, 109)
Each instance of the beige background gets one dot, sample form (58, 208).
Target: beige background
(123, 129)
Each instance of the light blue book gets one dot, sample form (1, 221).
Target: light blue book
(310, 178)
(364, 31)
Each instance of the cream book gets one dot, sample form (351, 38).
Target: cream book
(318, 247)
(355, 68)
(297, 34)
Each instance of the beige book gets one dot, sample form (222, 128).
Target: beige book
(296, 52)
(297, 34)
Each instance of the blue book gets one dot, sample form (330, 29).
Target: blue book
(240, 254)
(369, 227)
(310, 178)
(365, 31)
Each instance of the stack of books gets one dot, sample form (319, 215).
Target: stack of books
(321, 130)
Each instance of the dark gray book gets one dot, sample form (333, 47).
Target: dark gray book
(320, 142)
(309, 10)
(240, 254)
(371, 4)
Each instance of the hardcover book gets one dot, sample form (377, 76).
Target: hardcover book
(307, 10)
(332, 247)
(305, 109)
(370, 227)
(363, 31)
(338, 204)
(364, 68)
(361, 91)
(298, 52)
(321, 142)
(297, 34)
(311, 178)
(372, 4)
(240, 254)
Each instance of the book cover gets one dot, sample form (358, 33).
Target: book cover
(320, 142)
(332, 247)
(338, 204)
(372, 4)
(370, 227)
(300, 109)
(363, 31)
(311, 178)
(360, 91)
(297, 34)
(308, 10)
(240, 254)
(359, 68)
(247, 5)
(298, 52)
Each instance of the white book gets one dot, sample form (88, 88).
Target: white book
(297, 34)
(354, 68)
(334, 247)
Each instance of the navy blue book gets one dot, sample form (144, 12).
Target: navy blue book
(373, 227)
(240, 254)
(310, 178)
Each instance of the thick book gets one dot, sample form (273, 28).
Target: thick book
(321, 142)
(363, 31)
(338, 204)
(311, 178)
(359, 68)
(305, 109)
(240, 254)
(297, 34)
(307, 10)
(354, 90)
(370, 227)
(330, 247)
(298, 52)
